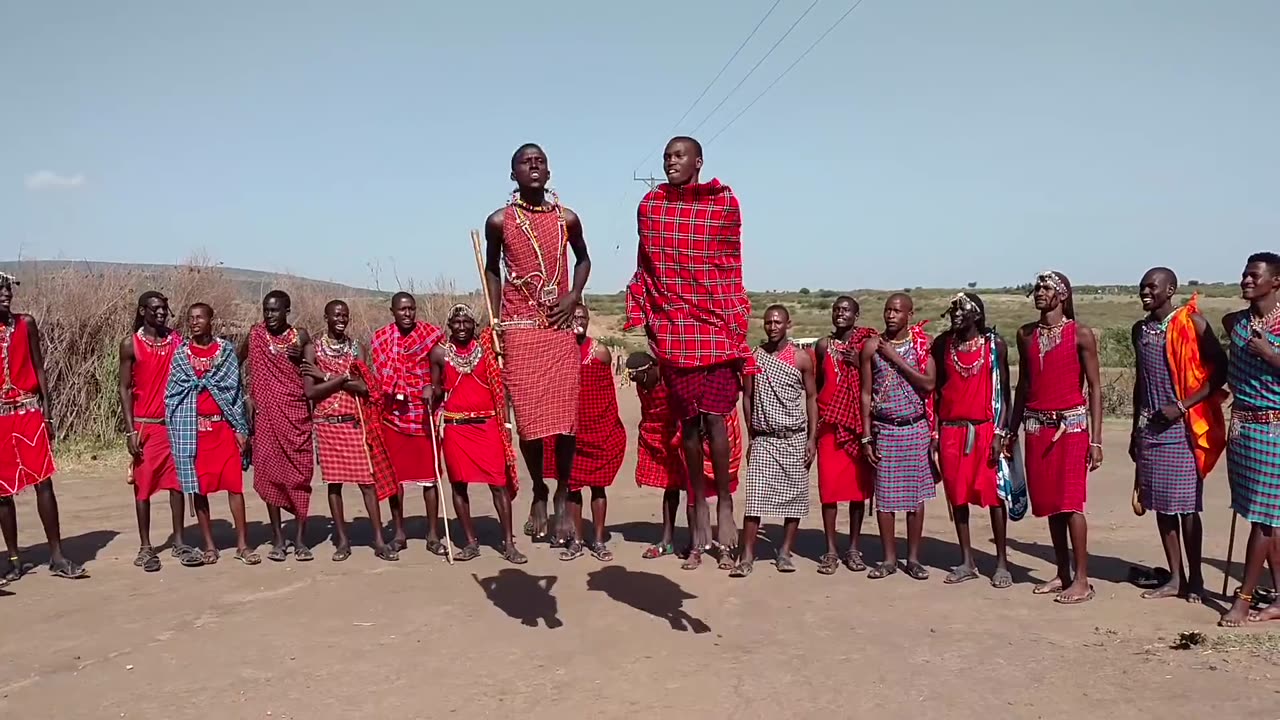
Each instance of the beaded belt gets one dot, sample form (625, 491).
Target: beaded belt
(336, 419)
(149, 421)
(779, 434)
(204, 423)
(474, 418)
(27, 404)
(1256, 417)
(1071, 420)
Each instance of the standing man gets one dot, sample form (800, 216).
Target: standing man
(897, 406)
(530, 238)
(204, 410)
(1178, 428)
(1057, 358)
(1254, 441)
(402, 364)
(780, 403)
(688, 294)
(283, 457)
(145, 357)
(26, 428)
(973, 412)
(348, 428)
(467, 385)
(843, 473)
(601, 441)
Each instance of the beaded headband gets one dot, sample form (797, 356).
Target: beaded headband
(961, 302)
(1053, 280)
(462, 310)
(7, 280)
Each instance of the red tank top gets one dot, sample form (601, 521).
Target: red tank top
(151, 362)
(1055, 380)
(966, 394)
(201, 362)
(466, 393)
(19, 372)
(535, 252)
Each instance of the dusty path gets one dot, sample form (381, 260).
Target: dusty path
(485, 639)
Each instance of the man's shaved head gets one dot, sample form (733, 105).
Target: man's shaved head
(900, 297)
(1163, 273)
(778, 307)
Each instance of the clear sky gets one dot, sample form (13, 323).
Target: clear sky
(924, 142)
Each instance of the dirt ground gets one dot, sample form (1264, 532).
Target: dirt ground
(485, 639)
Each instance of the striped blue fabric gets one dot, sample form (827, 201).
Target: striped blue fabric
(223, 383)
(1168, 479)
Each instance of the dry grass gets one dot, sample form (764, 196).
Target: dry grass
(84, 315)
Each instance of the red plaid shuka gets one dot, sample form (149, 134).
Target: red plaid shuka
(384, 478)
(402, 364)
(687, 288)
(353, 451)
(283, 459)
(601, 438)
(923, 345)
(840, 401)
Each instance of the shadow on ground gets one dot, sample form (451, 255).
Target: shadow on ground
(523, 597)
(650, 593)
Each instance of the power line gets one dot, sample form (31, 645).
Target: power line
(752, 71)
(778, 79)
(703, 94)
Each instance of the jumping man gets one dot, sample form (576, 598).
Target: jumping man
(601, 441)
(145, 357)
(530, 238)
(687, 293)
(899, 378)
(26, 425)
(782, 414)
(1254, 440)
(467, 385)
(1178, 428)
(204, 410)
(973, 412)
(1057, 358)
(283, 458)
(843, 473)
(348, 427)
(402, 364)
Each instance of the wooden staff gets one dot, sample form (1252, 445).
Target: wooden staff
(1231, 547)
(488, 301)
(437, 437)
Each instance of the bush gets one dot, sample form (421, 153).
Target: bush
(804, 291)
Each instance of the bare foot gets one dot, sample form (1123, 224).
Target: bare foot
(1167, 590)
(1048, 588)
(1195, 591)
(537, 523)
(1236, 616)
(1270, 612)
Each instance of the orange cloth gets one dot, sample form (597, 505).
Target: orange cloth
(1206, 422)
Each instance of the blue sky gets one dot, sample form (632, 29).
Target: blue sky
(924, 142)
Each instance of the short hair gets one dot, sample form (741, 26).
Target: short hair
(524, 147)
(1270, 259)
(280, 295)
(335, 303)
(900, 296)
(853, 303)
(202, 306)
(637, 360)
(143, 299)
(697, 146)
(1161, 270)
(402, 295)
(780, 308)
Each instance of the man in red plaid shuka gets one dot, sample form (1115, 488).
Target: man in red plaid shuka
(283, 458)
(348, 427)
(401, 355)
(602, 441)
(688, 294)
(530, 236)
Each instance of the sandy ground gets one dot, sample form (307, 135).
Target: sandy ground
(486, 639)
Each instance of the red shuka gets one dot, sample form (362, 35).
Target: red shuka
(26, 457)
(601, 437)
(476, 452)
(968, 478)
(843, 473)
(218, 467)
(1057, 466)
(283, 451)
(659, 458)
(154, 471)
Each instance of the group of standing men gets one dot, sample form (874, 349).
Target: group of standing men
(884, 414)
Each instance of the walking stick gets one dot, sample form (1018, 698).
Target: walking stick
(1231, 546)
(437, 436)
(488, 301)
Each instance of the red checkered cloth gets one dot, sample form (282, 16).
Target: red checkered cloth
(601, 438)
(840, 402)
(659, 455)
(283, 456)
(402, 364)
(687, 289)
(353, 452)
(541, 376)
(535, 252)
(384, 477)
(923, 346)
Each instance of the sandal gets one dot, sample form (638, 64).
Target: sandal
(177, 551)
(210, 557)
(470, 551)
(572, 551)
(398, 545)
(1002, 579)
(302, 553)
(853, 560)
(958, 574)
(528, 527)
(387, 553)
(342, 554)
(278, 553)
(784, 564)
(512, 554)
(829, 564)
(658, 550)
(726, 558)
(147, 559)
(246, 556)
(17, 569)
(883, 570)
(191, 557)
(601, 552)
(742, 569)
(916, 571)
(68, 570)
(693, 561)
(1062, 599)
(439, 549)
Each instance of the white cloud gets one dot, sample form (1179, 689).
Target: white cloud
(50, 180)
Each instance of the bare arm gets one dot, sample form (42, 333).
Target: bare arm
(1135, 339)
(938, 351)
(819, 353)
(37, 360)
(314, 384)
(1212, 354)
(581, 259)
(1087, 346)
(493, 262)
(1005, 393)
(924, 382)
(126, 382)
(868, 352)
(807, 374)
(1020, 392)
(748, 399)
(435, 395)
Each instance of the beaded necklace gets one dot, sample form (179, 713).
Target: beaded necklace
(1260, 325)
(201, 365)
(464, 362)
(289, 336)
(968, 369)
(1050, 336)
(550, 290)
(160, 343)
(6, 333)
(337, 348)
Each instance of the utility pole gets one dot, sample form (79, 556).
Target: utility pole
(651, 181)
